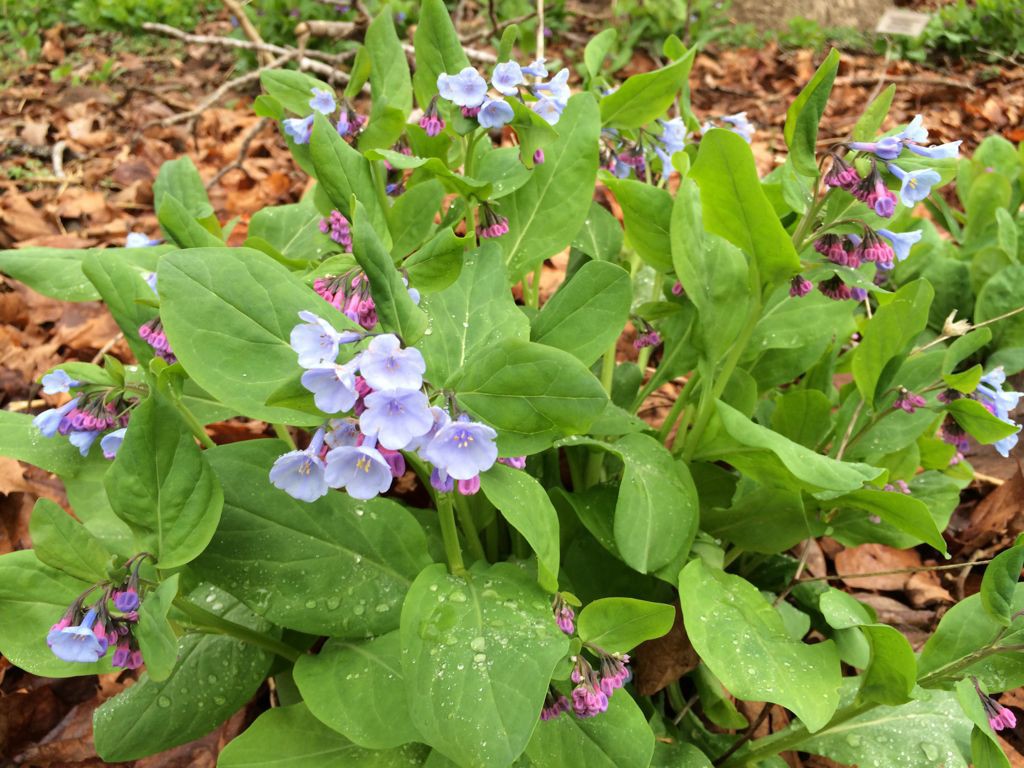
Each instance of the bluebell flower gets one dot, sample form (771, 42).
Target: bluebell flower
(333, 386)
(139, 240)
(83, 439)
(322, 102)
(915, 186)
(57, 381)
(939, 151)
(557, 88)
(49, 420)
(466, 89)
(999, 402)
(361, 470)
(494, 114)
(299, 128)
(385, 365)
(463, 449)
(549, 109)
(440, 480)
(300, 474)
(341, 432)
(673, 135)
(888, 148)
(507, 78)
(111, 442)
(915, 130)
(441, 419)
(902, 242)
(78, 643)
(396, 416)
(536, 69)
(740, 125)
(317, 342)
(150, 280)
(620, 169)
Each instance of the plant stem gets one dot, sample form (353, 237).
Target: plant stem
(204, 620)
(281, 430)
(469, 530)
(595, 461)
(193, 423)
(711, 395)
(531, 291)
(450, 534)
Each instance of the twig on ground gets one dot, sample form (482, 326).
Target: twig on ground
(473, 37)
(242, 152)
(249, 28)
(57, 158)
(106, 348)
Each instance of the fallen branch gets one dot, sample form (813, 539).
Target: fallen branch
(242, 152)
(250, 30)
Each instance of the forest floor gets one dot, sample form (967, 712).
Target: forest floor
(83, 132)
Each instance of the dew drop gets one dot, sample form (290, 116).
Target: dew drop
(163, 701)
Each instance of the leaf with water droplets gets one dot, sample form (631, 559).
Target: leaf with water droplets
(357, 689)
(333, 567)
(290, 737)
(477, 656)
(215, 676)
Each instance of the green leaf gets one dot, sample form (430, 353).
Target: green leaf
(503, 168)
(62, 542)
(890, 677)
(389, 70)
(804, 114)
(455, 182)
(965, 628)
(53, 272)
(342, 173)
(744, 642)
(357, 689)
(588, 313)
(181, 180)
(215, 676)
(334, 566)
(644, 97)
(808, 469)
(597, 49)
(228, 313)
(291, 737)
(619, 624)
(646, 213)
(478, 652)
(767, 520)
(804, 416)
(531, 394)
(293, 90)
(888, 335)
(20, 440)
(294, 230)
(546, 213)
(396, 309)
(118, 276)
(439, 263)
(470, 315)
(34, 597)
(408, 221)
(600, 237)
(735, 206)
(903, 512)
(981, 423)
(438, 50)
(618, 738)
(870, 123)
(656, 512)
(533, 131)
(928, 732)
(715, 701)
(163, 487)
(181, 227)
(523, 502)
(156, 638)
(1002, 294)
(998, 585)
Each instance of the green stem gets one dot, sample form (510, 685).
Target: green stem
(531, 292)
(710, 395)
(281, 430)
(595, 461)
(206, 621)
(194, 424)
(808, 220)
(469, 531)
(450, 534)
(379, 184)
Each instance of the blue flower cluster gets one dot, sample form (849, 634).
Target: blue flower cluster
(349, 122)
(999, 403)
(91, 414)
(915, 185)
(382, 386)
(468, 89)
